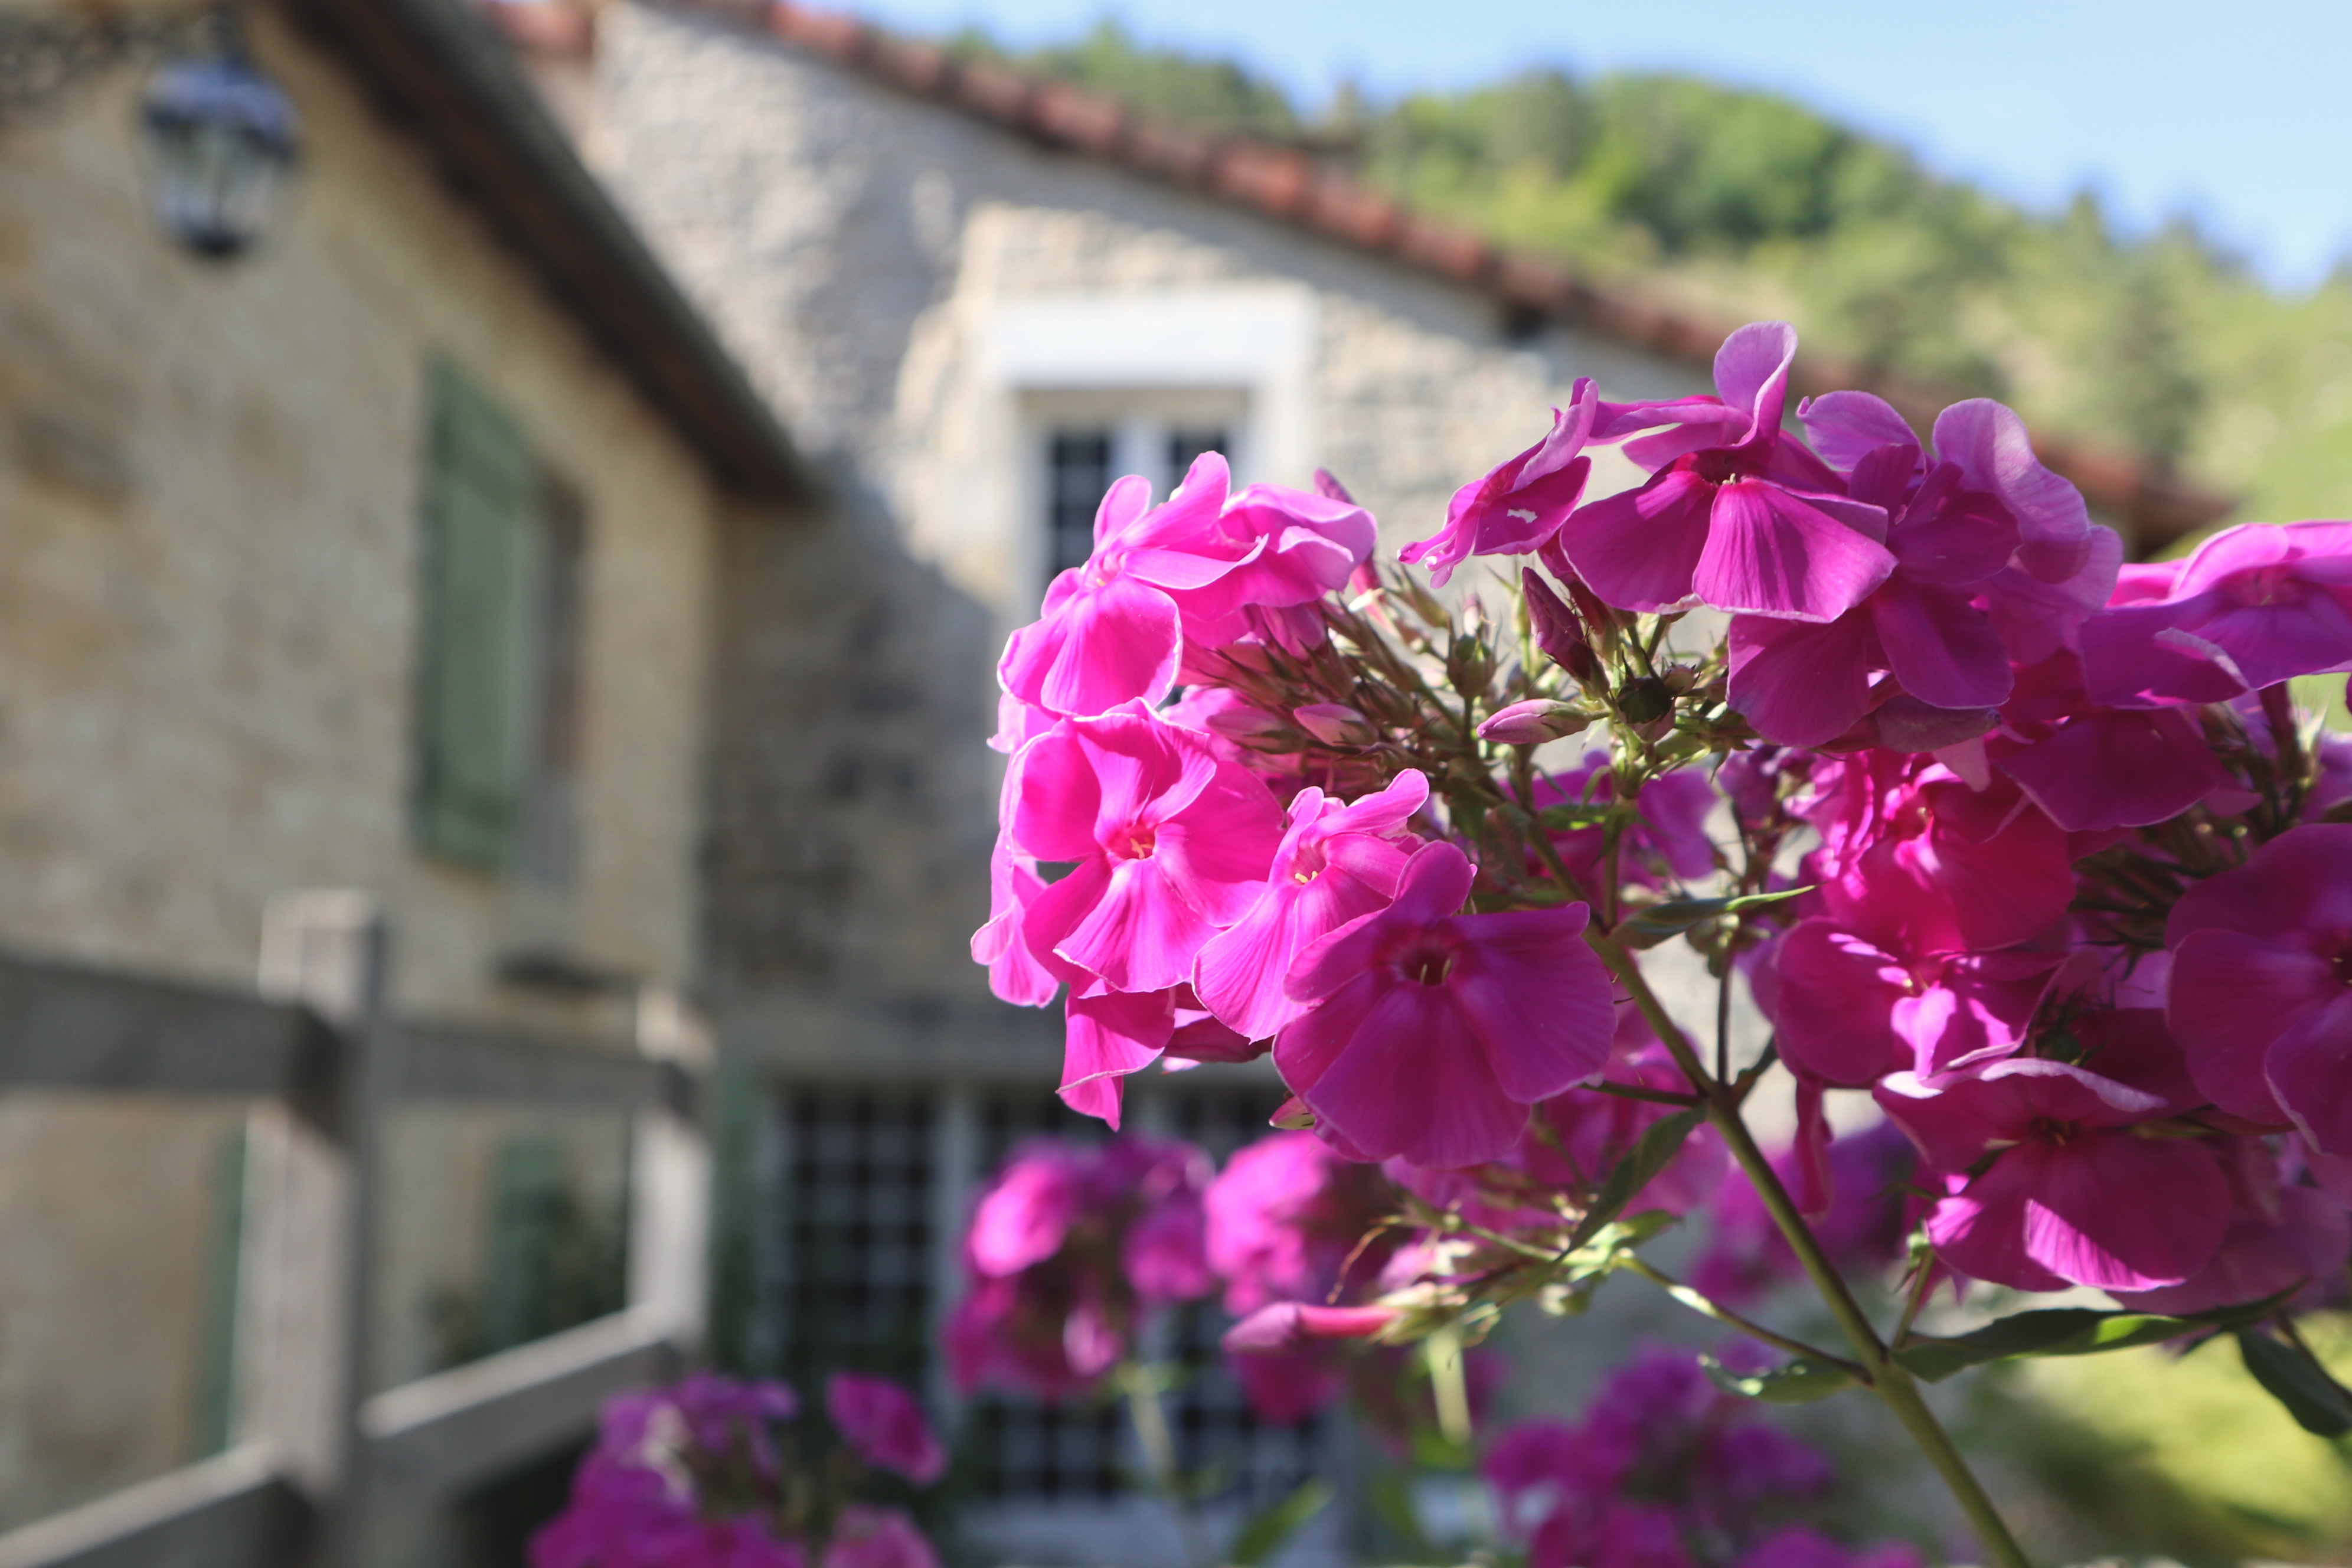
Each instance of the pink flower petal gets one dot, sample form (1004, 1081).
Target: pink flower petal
(1943, 649)
(1536, 996)
(1639, 549)
(1140, 935)
(2122, 1213)
(1768, 552)
(1415, 1083)
(1847, 426)
(1798, 683)
(2310, 1070)
(1832, 1011)
(2230, 996)
(2117, 769)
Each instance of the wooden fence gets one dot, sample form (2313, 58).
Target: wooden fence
(320, 1474)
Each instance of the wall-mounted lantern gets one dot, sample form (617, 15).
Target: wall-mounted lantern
(220, 137)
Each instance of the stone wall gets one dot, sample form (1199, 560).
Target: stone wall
(209, 532)
(858, 248)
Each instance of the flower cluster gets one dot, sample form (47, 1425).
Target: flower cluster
(2032, 846)
(1068, 1246)
(1664, 1471)
(702, 1475)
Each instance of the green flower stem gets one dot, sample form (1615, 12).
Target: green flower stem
(1141, 1385)
(1705, 1307)
(1885, 1376)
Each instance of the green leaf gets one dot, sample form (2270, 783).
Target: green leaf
(2064, 1330)
(2317, 1402)
(1648, 1156)
(1799, 1382)
(1574, 815)
(1276, 1524)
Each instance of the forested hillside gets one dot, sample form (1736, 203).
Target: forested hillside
(1741, 203)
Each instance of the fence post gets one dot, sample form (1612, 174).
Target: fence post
(669, 1174)
(307, 1274)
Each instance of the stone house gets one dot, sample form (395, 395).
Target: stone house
(388, 556)
(976, 297)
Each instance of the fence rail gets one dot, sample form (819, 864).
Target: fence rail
(317, 1469)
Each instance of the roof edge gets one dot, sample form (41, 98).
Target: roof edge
(1292, 187)
(447, 79)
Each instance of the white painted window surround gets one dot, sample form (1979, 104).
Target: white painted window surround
(1141, 364)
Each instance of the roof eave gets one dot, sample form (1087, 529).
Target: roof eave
(451, 83)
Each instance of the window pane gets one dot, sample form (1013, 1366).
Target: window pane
(1184, 446)
(856, 1270)
(1077, 473)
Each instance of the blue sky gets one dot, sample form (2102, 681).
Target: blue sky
(2239, 114)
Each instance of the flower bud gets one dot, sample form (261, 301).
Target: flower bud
(1555, 628)
(1645, 699)
(1335, 725)
(1534, 721)
(1599, 617)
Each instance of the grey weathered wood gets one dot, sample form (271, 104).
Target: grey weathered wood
(445, 1062)
(304, 1287)
(233, 1511)
(442, 1433)
(67, 1027)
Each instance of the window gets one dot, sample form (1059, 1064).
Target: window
(1089, 439)
(861, 1277)
(498, 673)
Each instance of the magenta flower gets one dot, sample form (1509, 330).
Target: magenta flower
(883, 1425)
(1298, 547)
(2073, 1196)
(1170, 846)
(2256, 605)
(1110, 631)
(1918, 862)
(1014, 974)
(1069, 1244)
(2260, 994)
(1285, 1216)
(1432, 1031)
(1335, 863)
(1740, 517)
(1801, 1546)
(1516, 508)
(2281, 1234)
(1802, 684)
(868, 1537)
(1847, 1011)
(2094, 768)
(1295, 1325)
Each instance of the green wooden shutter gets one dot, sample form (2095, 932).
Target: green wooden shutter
(482, 500)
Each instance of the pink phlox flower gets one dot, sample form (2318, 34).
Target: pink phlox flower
(1302, 547)
(865, 1536)
(2281, 1234)
(1015, 974)
(883, 1425)
(1170, 844)
(1067, 1244)
(1847, 1010)
(2261, 991)
(2036, 618)
(1801, 1546)
(1921, 862)
(1739, 517)
(1988, 445)
(1433, 1032)
(1285, 1216)
(1111, 631)
(1666, 841)
(1517, 508)
(1802, 683)
(1863, 1231)
(2093, 768)
(2073, 1196)
(1337, 861)
(2256, 604)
